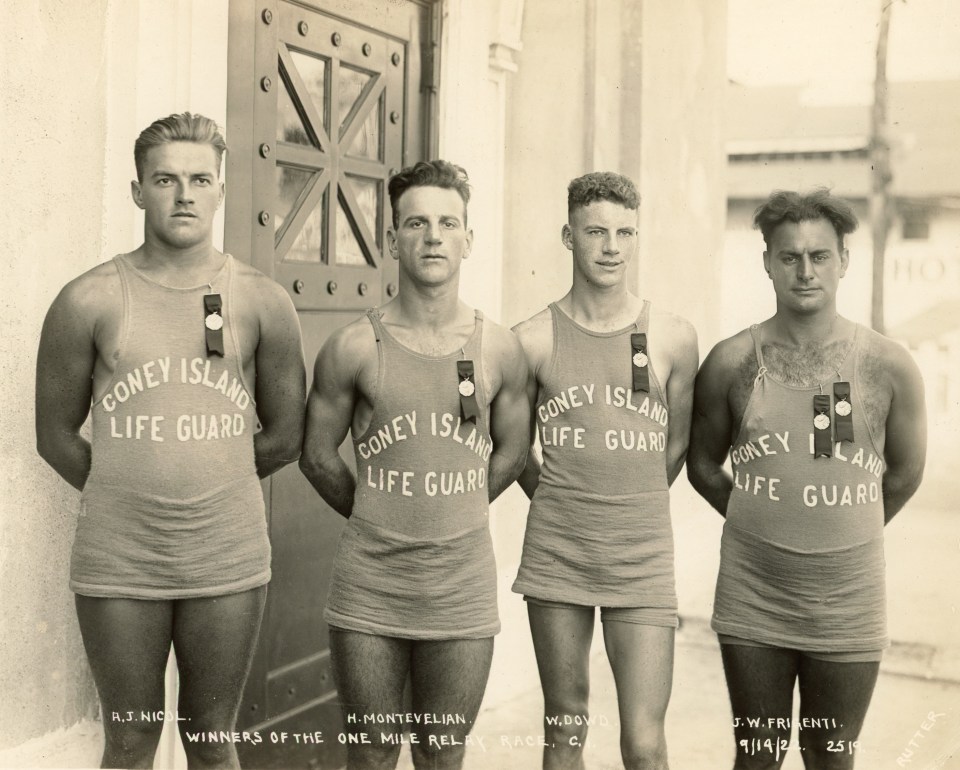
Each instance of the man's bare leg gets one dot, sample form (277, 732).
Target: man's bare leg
(127, 643)
(370, 672)
(561, 640)
(760, 681)
(449, 677)
(214, 639)
(838, 693)
(642, 661)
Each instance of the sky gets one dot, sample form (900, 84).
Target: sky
(831, 44)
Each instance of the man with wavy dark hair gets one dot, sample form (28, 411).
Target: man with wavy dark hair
(823, 422)
(611, 383)
(433, 395)
(190, 363)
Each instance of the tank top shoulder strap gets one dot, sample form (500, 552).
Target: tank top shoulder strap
(373, 315)
(755, 333)
(643, 320)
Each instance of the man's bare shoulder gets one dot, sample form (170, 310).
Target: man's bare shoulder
(350, 346)
(502, 343)
(91, 295)
(536, 337)
(255, 285)
(675, 330)
(885, 358)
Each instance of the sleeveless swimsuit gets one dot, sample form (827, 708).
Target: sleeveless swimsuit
(416, 559)
(801, 564)
(172, 507)
(598, 531)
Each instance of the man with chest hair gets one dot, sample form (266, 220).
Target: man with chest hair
(434, 397)
(824, 424)
(189, 362)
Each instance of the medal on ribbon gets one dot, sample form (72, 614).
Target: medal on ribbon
(822, 435)
(213, 324)
(844, 411)
(640, 362)
(467, 388)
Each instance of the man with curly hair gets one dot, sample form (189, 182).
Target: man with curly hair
(611, 383)
(823, 422)
(433, 395)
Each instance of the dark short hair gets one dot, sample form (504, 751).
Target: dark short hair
(601, 186)
(184, 127)
(789, 206)
(428, 173)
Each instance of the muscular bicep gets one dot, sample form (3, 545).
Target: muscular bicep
(65, 362)
(905, 443)
(711, 424)
(280, 371)
(510, 410)
(330, 402)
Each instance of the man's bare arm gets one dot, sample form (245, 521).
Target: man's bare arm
(905, 446)
(330, 407)
(509, 415)
(528, 333)
(281, 381)
(710, 432)
(680, 395)
(65, 362)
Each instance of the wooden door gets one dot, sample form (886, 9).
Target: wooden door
(325, 101)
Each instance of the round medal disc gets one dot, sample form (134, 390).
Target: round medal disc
(466, 388)
(843, 407)
(640, 359)
(213, 322)
(821, 422)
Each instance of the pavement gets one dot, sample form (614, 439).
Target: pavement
(914, 717)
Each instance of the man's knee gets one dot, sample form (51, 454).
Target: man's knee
(566, 725)
(438, 751)
(643, 745)
(132, 739)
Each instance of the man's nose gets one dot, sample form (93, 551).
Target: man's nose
(804, 267)
(184, 193)
(433, 233)
(611, 244)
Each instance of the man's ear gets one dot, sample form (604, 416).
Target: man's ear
(136, 191)
(566, 236)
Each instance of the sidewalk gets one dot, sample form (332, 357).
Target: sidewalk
(699, 735)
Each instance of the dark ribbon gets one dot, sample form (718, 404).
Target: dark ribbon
(822, 437)
(467, 387)
(641, 374)
(844, 422)
(212, 306)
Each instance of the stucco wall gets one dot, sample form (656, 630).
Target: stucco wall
(54, 120)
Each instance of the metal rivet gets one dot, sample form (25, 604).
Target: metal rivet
(366, 49)
(292, 690)
(267, 16)
(266, 83)
(264, 218)
(264, 150)
(335, 38)
(332, 287)
(362, 289)
(395, 59)
(298, 286)
(254, 706)
(391, 289)
(303, 28)
(394, 117)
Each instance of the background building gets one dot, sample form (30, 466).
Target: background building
(321, 100)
